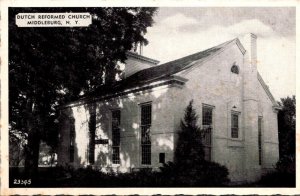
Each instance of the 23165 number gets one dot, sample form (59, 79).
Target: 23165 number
(22, 182)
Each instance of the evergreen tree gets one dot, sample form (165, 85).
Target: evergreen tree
(189, 150)
(285, 173)
(287, 126)
(189, 153)
(287, 135)
(190, 167)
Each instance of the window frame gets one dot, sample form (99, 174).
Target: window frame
(145, 142)
(72, 136)
(260, 140)
(208, 142)
(115, 132)
(162, 157)
(91, 148)
(235, 69)
(238, 114)
(212, 115)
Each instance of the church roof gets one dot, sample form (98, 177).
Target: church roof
(158, 72)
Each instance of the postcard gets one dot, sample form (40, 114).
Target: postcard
(148, 97)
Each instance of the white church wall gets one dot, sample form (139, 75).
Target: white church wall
(214, 84)
(162, 130)
(270, 131)
(211, 83)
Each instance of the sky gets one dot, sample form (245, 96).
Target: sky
(181, 31)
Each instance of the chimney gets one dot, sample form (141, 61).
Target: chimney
(250, 108)
(249, 42)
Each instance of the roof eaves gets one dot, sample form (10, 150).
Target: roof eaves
(240, 45)
(277, 108)
(163, 81)
(267, 90)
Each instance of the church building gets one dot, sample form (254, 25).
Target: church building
(134, 123)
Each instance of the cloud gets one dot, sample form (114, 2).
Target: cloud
(169, 40)
(174, 38)
(277, 60)
(254, 26)
(177, 21)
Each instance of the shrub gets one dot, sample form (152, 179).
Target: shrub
(205, 174)
(283, 176)
(286, 164)
(278, 179)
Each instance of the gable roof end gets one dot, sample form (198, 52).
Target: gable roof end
(268, 92)
(240, 45)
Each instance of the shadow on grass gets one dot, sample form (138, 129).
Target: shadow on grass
(278, 179)
(67, 177)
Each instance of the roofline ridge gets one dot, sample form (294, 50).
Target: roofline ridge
(169, 62)
(219, 45)
(240, 45)
(187, 70)
(266, 88)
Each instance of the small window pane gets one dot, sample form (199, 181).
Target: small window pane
(207, 116)
(161, 157)
(72, 139)
(116, 119)
(146, 154)
(234, 125)
(235, 69)
(146, 137)
(72, 154)
(92, 130)
(207, 122)
(259, 140)
(146, 112)
(116, 155)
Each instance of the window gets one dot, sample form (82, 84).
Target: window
(207, 120)
(235, 69)
(116, 154)
(72, 139)
(161, 157)
(207, 116)
(234, 125)
(146, 136)
(116, 117)
(259, 140)
(92, 130)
